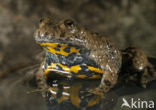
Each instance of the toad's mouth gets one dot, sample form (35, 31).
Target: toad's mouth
(52, 38)
(47, 41)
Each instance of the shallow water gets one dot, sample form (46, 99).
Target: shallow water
(75, 96)
(71, 95)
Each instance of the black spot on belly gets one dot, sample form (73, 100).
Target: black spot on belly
(71, 56)
(57, 49)
(58, 46)
(84, 69)
(107, 82)
(67, 49)
(59, 67)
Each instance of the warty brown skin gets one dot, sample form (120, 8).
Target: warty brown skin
(103, 50)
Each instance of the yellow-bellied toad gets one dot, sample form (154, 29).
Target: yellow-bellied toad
(74, 51)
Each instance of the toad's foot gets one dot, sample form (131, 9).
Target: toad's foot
(148, 75)
(136, 63)
(108, 80)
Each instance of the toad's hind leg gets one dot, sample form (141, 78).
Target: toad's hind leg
(149, 74)
(135, 60)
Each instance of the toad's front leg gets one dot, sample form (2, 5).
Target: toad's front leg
(108, 80)
(110, 65)
(41, 83)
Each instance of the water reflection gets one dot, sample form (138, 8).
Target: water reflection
(74, 95)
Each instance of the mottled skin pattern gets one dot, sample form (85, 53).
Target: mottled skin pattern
(103, 50)
(136, 61)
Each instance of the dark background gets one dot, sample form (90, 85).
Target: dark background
(125, 21)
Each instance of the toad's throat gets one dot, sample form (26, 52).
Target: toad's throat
(61, 49)
(70, 61)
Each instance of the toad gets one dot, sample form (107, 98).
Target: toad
(73, 51)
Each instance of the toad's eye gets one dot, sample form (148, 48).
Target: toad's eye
(69, 23)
